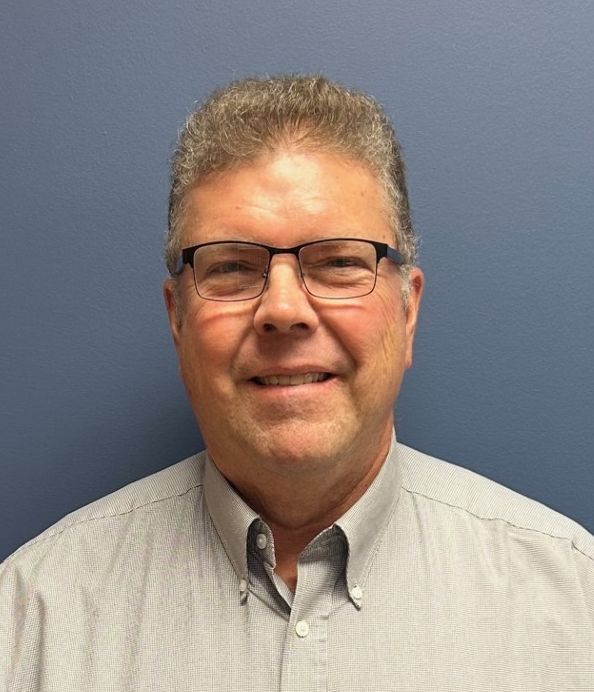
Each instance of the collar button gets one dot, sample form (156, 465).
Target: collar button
(357, 592)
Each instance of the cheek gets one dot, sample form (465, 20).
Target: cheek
(383, 344)
(210, 340)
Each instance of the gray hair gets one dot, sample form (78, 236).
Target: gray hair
(251, 117)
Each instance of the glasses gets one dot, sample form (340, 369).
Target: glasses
(334, 269)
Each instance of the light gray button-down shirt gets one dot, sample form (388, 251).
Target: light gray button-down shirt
(436, 580)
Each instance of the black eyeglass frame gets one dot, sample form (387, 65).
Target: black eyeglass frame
(381, 250)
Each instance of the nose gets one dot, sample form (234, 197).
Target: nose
(285, 305)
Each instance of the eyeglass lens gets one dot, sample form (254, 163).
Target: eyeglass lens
(329, 269)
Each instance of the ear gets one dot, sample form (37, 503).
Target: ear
(171, 296)
(417, 283)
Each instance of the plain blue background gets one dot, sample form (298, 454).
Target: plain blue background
(493, 104)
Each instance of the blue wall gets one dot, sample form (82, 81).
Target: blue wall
(493, 103)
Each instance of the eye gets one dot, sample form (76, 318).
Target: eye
(231, 267)
(340, 262)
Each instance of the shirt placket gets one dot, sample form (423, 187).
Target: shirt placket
(305, 653)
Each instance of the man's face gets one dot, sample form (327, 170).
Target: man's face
(229, 353)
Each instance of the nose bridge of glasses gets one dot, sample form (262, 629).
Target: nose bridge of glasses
(274, 251)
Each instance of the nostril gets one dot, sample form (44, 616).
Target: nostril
(285, 327)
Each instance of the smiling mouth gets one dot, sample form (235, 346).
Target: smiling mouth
(292, 380)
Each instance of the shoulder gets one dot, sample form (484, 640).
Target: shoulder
(162, 494)
(460, 491)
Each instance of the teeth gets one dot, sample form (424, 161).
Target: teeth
(292, 380)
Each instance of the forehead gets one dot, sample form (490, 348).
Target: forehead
(287, 198)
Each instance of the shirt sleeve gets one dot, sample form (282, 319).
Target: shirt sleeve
(21, 629)
(585, 568)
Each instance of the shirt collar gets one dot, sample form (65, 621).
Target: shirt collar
(363, 525)
(231, 516)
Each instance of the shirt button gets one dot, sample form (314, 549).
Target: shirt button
(242, 585)
(302, 628)
(261, 541)
(357, 592)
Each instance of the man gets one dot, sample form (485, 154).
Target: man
(305, 549)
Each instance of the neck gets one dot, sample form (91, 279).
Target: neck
(298, 509)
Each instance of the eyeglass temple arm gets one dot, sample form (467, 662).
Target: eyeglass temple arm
(186, 257)
(394, 255)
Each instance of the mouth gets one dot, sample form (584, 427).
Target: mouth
(292, 380)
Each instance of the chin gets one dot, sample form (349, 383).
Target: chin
(297, 448)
